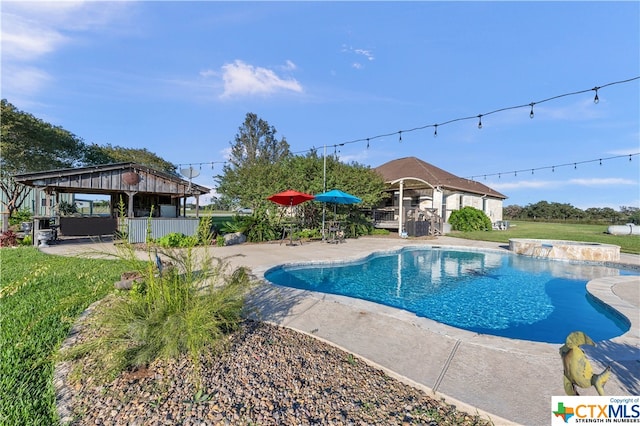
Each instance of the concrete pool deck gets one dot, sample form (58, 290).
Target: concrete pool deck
(510, 381)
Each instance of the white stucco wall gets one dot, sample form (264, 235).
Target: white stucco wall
(492, 207)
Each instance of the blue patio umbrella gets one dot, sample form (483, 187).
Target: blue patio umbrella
(335, 196)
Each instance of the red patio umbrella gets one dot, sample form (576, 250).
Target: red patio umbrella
(290, 198)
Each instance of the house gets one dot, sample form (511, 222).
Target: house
(422, 197)
(146, 197)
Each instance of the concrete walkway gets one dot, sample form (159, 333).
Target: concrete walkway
(510, 381)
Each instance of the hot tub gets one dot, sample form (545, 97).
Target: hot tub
(567, 250)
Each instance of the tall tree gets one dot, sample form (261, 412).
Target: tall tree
(28, 144)
(256, 143)
(104, 154)
(252, 169)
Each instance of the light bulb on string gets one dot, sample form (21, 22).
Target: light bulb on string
(601, 161)
(400, 138)
(629, 157)
(480, 121)
(531, 171)
(575, 166)
(553, 169)
(596, 99)
(435, 132)
(531, 113)
(367, 143)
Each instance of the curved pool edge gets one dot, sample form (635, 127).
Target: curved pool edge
(621, 293)
(487, 372)
(479, 338)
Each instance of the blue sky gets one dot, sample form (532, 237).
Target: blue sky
(178, 78)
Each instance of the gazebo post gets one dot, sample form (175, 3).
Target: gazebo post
(130, 195)
(400, 208)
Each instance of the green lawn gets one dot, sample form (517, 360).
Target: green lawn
(41, 296)
(556, 231)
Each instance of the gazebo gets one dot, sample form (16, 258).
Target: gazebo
(148, 194)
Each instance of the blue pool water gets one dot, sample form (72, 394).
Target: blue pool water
(494, 293)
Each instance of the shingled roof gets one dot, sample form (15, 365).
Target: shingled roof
(412, 168)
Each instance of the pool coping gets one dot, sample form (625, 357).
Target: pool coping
(539, 354)
(601, 288)
(497, 377)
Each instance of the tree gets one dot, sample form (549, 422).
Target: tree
(104, 154)
(252, 169)
(29, 144)
(256, 143)
(512, 211)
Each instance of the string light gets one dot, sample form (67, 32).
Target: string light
(553, 168)
(479, 117)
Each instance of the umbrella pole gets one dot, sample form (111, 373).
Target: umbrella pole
(323, 225)
(291, 224)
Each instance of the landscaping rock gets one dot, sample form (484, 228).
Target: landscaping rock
(234, 238)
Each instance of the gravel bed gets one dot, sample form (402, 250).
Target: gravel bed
(269, 375)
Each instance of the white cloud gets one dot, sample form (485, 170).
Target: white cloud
(602, 182)
(243, 79)
(358, 52)
(366, 53)
(22, 40)
(525, 184)
(31, 30)
(24, 80)
(557, 184)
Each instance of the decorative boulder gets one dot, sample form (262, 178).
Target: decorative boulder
(235, 238)
(127, 280)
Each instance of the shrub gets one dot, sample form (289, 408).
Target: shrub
(376, 231)
(19, 216)
(186, 308)
(469, 219)
(67, 208)
(8, 239)
(176, 239)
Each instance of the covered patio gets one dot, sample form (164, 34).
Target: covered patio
(137, 194)
(423, 196)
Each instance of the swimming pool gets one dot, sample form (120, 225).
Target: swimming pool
(486, 292)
